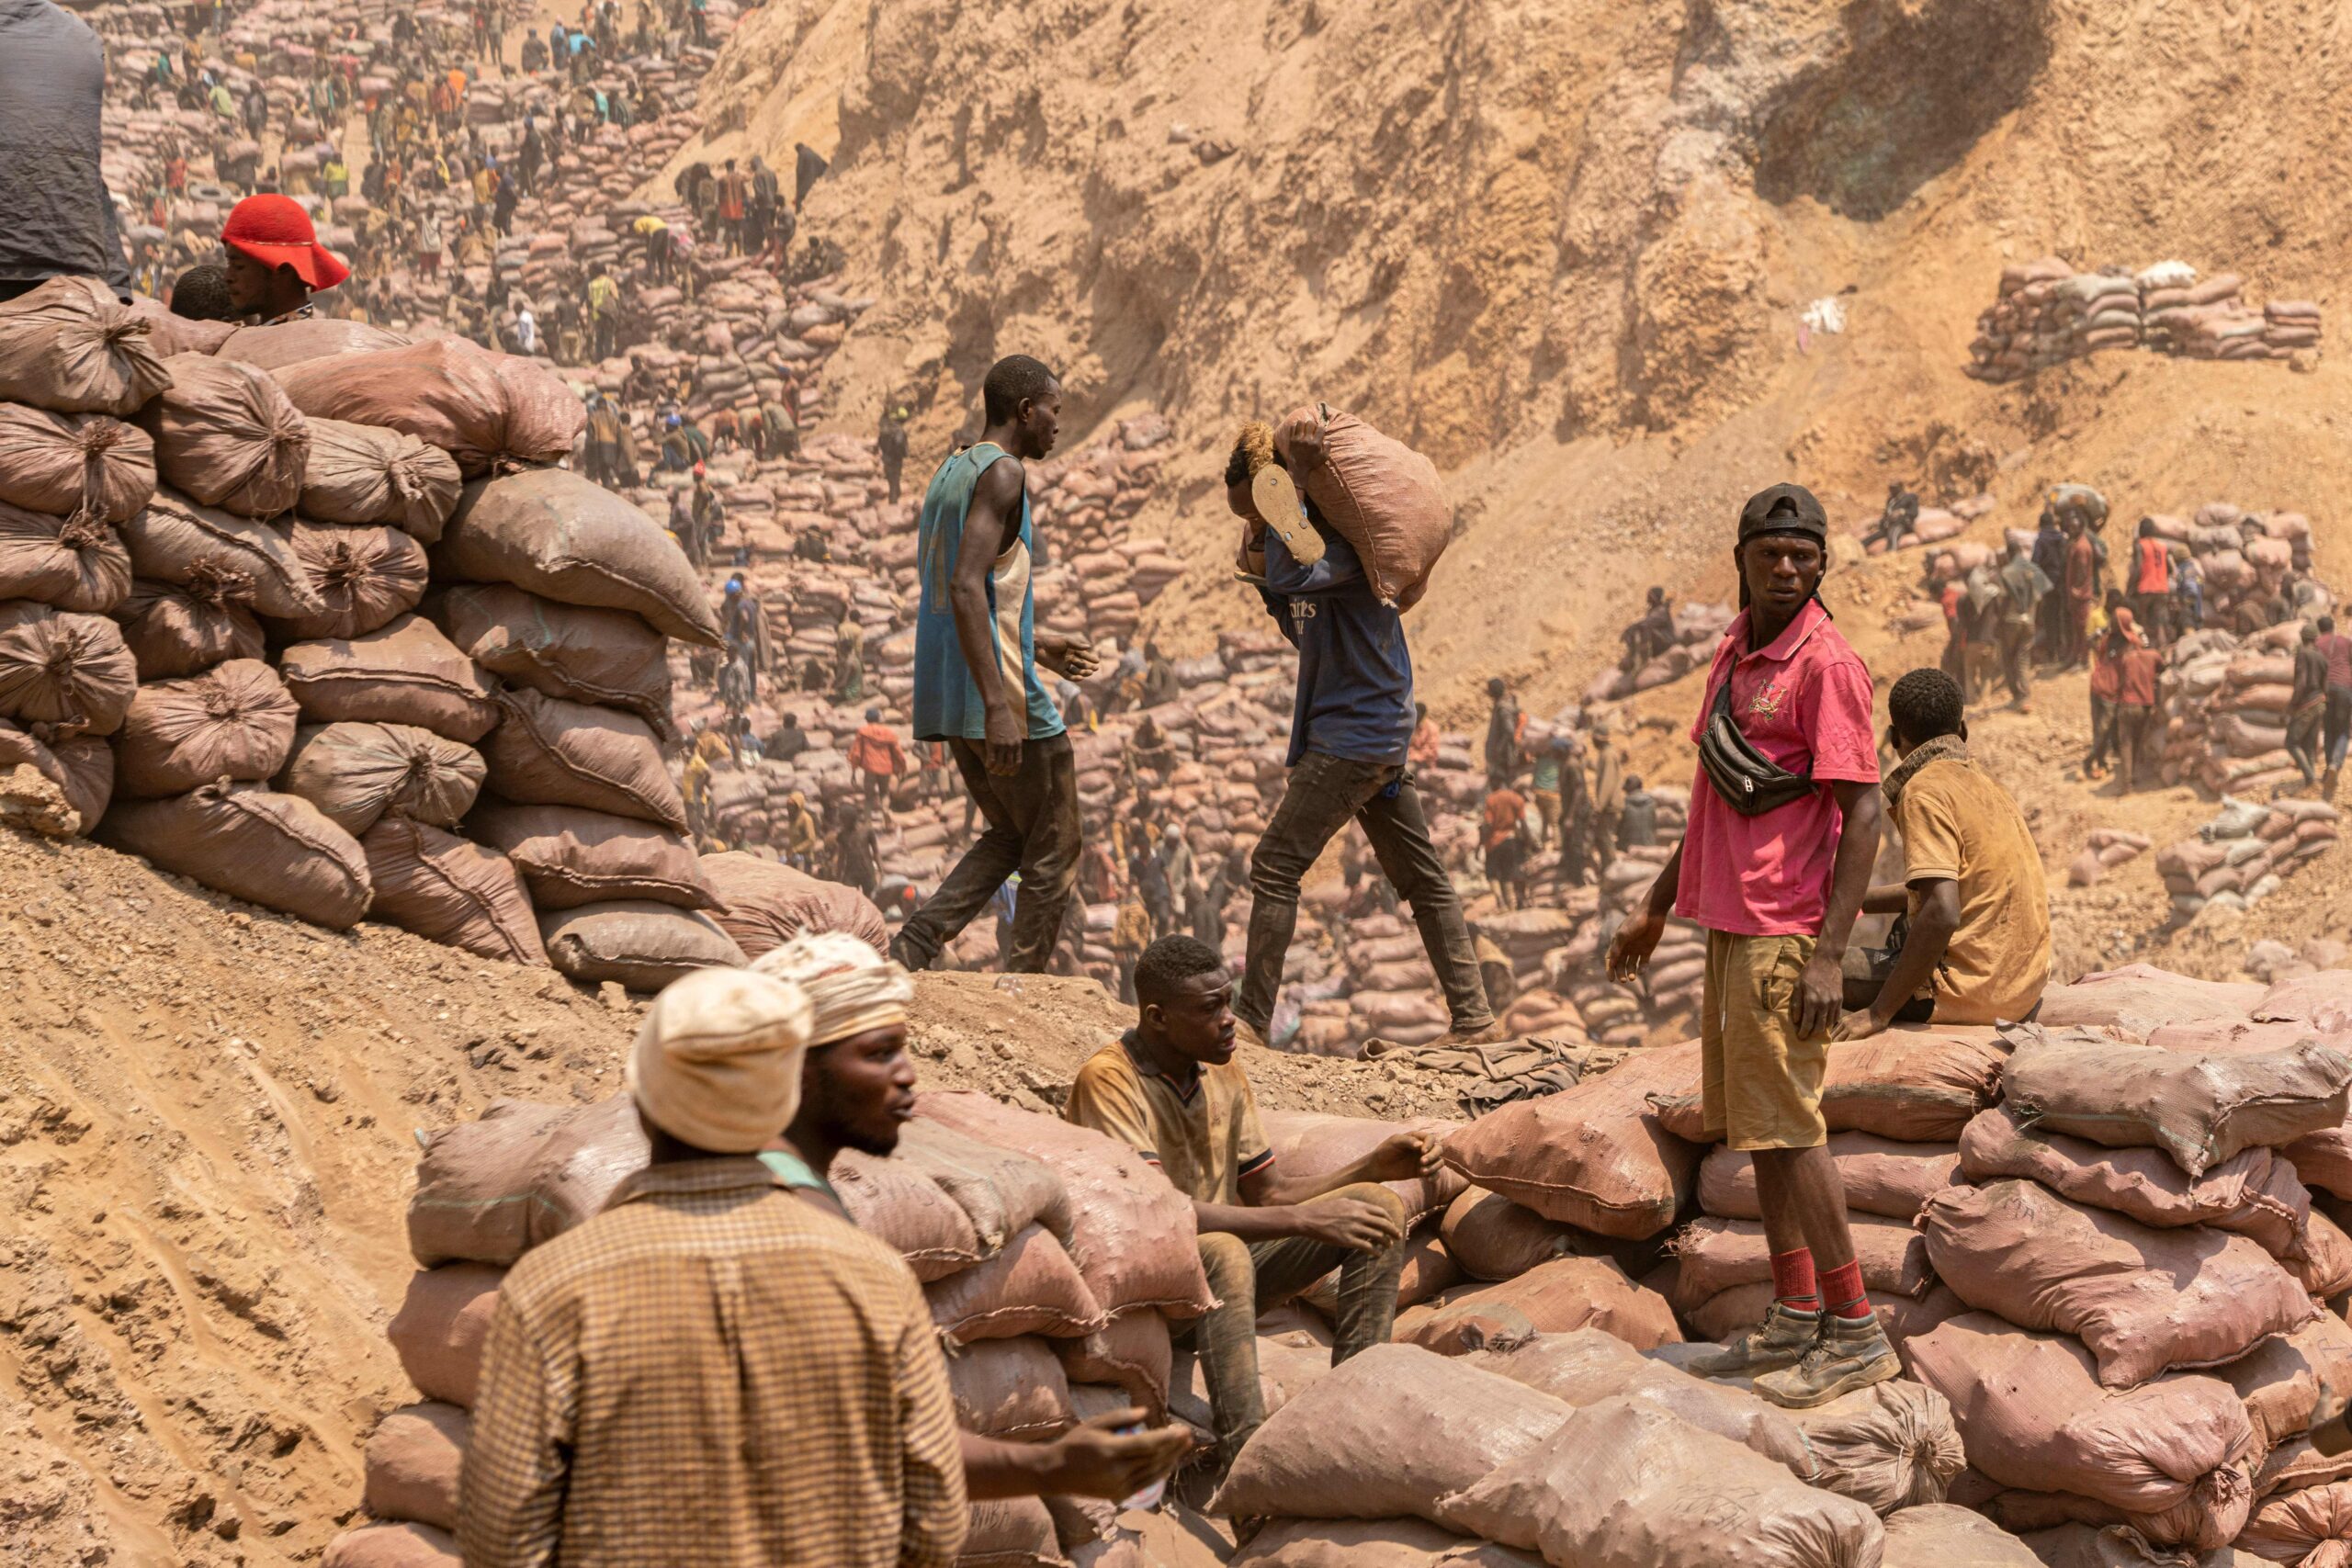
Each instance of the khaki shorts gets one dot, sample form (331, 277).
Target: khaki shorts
(1762, 1083)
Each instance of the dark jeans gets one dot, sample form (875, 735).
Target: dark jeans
(2102, 731)
(2050, 636)
(2017, 659)
(2137, 729)
(1032, 827)
(2303, 741)
(1323, 793)
(1866, 973)
(1249, 1278)
(2339, 724)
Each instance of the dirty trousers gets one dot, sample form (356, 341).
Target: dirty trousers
(1323, 794)
(1251, 1277)
(1032, 827)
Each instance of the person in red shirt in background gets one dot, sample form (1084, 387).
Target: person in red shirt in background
(2122, 636)
(874, 752)
(734, 191)
(2082, 589)
(1776, 870)
(2137, 725)
(2152, 583)
(2337, 648)
(1505, 841)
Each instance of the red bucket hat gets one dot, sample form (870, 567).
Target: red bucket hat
(275, 231)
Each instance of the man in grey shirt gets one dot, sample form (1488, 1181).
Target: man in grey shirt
(60, 218)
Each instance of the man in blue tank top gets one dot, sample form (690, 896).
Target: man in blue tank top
(978, 650)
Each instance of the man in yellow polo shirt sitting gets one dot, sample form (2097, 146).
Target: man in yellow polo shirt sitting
(1975, 947)
(1170, 1088)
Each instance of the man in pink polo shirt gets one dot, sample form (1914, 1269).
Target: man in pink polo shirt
(1784, 826)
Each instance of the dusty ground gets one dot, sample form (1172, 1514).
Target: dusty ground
(207, 1121)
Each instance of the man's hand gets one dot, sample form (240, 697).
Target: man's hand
(1006, 730)
(1097, 1459)
(1862, 1025)
(1821, 996)
(1630, 949)
(1357, 1224)
(1072, 657)
(1302, 444)
(1404, 1156)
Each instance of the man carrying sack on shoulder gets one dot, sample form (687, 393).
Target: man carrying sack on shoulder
(1351, 731)
(1784, 828)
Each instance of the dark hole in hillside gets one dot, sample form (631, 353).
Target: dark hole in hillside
(1916, 88)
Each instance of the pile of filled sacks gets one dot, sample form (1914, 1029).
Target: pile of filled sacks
(1054, 1260)
(1934, 526)
(2048, 313)
(312, 621)
(1388, 990)
(2225, 704)
(2243, 855)
(1533, 1403)
(2105, 1245)
(2243, 560)
(1697, 629)
(2120, 1282)
(2145, 1249)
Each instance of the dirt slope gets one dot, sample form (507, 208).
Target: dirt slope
(1563, 246)
(207, 1140)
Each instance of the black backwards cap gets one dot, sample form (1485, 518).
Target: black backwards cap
(1784, 509)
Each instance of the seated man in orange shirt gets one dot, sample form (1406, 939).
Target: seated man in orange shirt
(1975, 944)
(1170, 1089)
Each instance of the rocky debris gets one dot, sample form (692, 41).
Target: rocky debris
(2274, 963)
(2102, 851)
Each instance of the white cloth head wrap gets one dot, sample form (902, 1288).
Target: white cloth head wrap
(853, 987)
(716, 1062)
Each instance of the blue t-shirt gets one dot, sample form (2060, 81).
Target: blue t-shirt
(1355, 677)
(947, 700)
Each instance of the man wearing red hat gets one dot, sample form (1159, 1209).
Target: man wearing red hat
(276, 262)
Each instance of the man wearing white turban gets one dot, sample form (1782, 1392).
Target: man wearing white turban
(713, 1372)
(858, 1093)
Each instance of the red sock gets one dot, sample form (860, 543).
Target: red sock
(1842, 1289)
(1792, 1283)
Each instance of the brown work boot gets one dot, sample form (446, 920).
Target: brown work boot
(1851, 1354)
(1780, 1340)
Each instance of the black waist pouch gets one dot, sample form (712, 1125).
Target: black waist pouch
(1749, 782)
